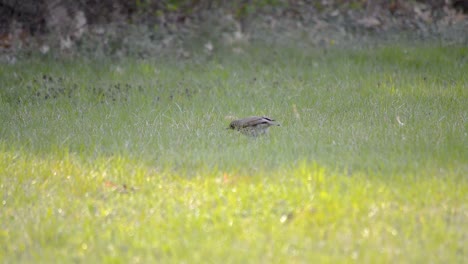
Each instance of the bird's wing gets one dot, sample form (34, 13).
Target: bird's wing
(257, 120)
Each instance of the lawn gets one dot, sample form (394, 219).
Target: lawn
(129, 160)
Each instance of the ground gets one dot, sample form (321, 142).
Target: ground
(128, 160)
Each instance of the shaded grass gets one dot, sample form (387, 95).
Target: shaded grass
(130, 161)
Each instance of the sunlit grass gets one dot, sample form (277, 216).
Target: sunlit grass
(120, 210)
(129, 161)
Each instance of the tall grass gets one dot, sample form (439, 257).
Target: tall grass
(130, 160)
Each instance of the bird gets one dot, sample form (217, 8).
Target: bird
(253, 125)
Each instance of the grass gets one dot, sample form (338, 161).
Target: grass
(129, 161)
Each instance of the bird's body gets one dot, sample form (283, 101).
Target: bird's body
(253, 125)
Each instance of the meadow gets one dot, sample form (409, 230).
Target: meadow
(129, 160)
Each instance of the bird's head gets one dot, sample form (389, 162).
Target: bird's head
(232, 125)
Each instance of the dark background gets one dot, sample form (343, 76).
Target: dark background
(64, 24)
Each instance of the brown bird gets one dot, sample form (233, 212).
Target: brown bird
(253, 125)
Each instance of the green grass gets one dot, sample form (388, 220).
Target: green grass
(129, 161)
